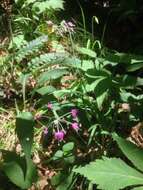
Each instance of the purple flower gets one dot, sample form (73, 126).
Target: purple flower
(75, 126)
(49, 106)
(67, 26)
(74, 113)
(70, 24)
(59, 135)
(45, 131)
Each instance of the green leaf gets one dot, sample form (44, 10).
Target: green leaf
(31, 47)
(68, 147)
(45, 90)
(101, 91)
(51, 59)
(51, 75)
(86, 51)
(133, 153)
(14, 173)
(9, 156)
(17, 42)
(100, 99)
(62, 181)
(23, 79)
(111, 174)
(31, 173)
(25, 130)
(41, 7)
(93, 129)
(138, 188)
(61, 93)
(135, 67)
(94, 73)
(58, 155)
(87, 64)
(69, 159)
(28, 2)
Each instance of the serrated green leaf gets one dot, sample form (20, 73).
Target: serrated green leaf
(51, 75)
(32, 46)
(111, 174)
(133, 153)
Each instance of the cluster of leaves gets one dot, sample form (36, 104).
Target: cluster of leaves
(58, 75)
(115, 172)
(21, 169)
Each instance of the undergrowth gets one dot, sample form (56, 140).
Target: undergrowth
(65, 100)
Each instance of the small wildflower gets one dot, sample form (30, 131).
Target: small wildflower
(59, 135)
(75, 126)
(50, 23)
(70, 24)
(49, 106)
(74, 113)
(67, 26)
(45, 131)
(37, 116)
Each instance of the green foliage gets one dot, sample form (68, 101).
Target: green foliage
(51, 75)
(25, 131)
(41, 7)
(62, 181)
(31, 47)
(66, 154)
(113, 169)
(86, 51)
(132, 152)
(21, 170)
(58, 71)
(107, 173)
(33, 13)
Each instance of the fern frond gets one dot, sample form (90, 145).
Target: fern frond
(31, 47)
(61, 59)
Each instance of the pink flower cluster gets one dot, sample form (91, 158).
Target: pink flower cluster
(74, 113)
(60, 134)
(75, 125)
(68, 26)
(62, 29)
(49, 106)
